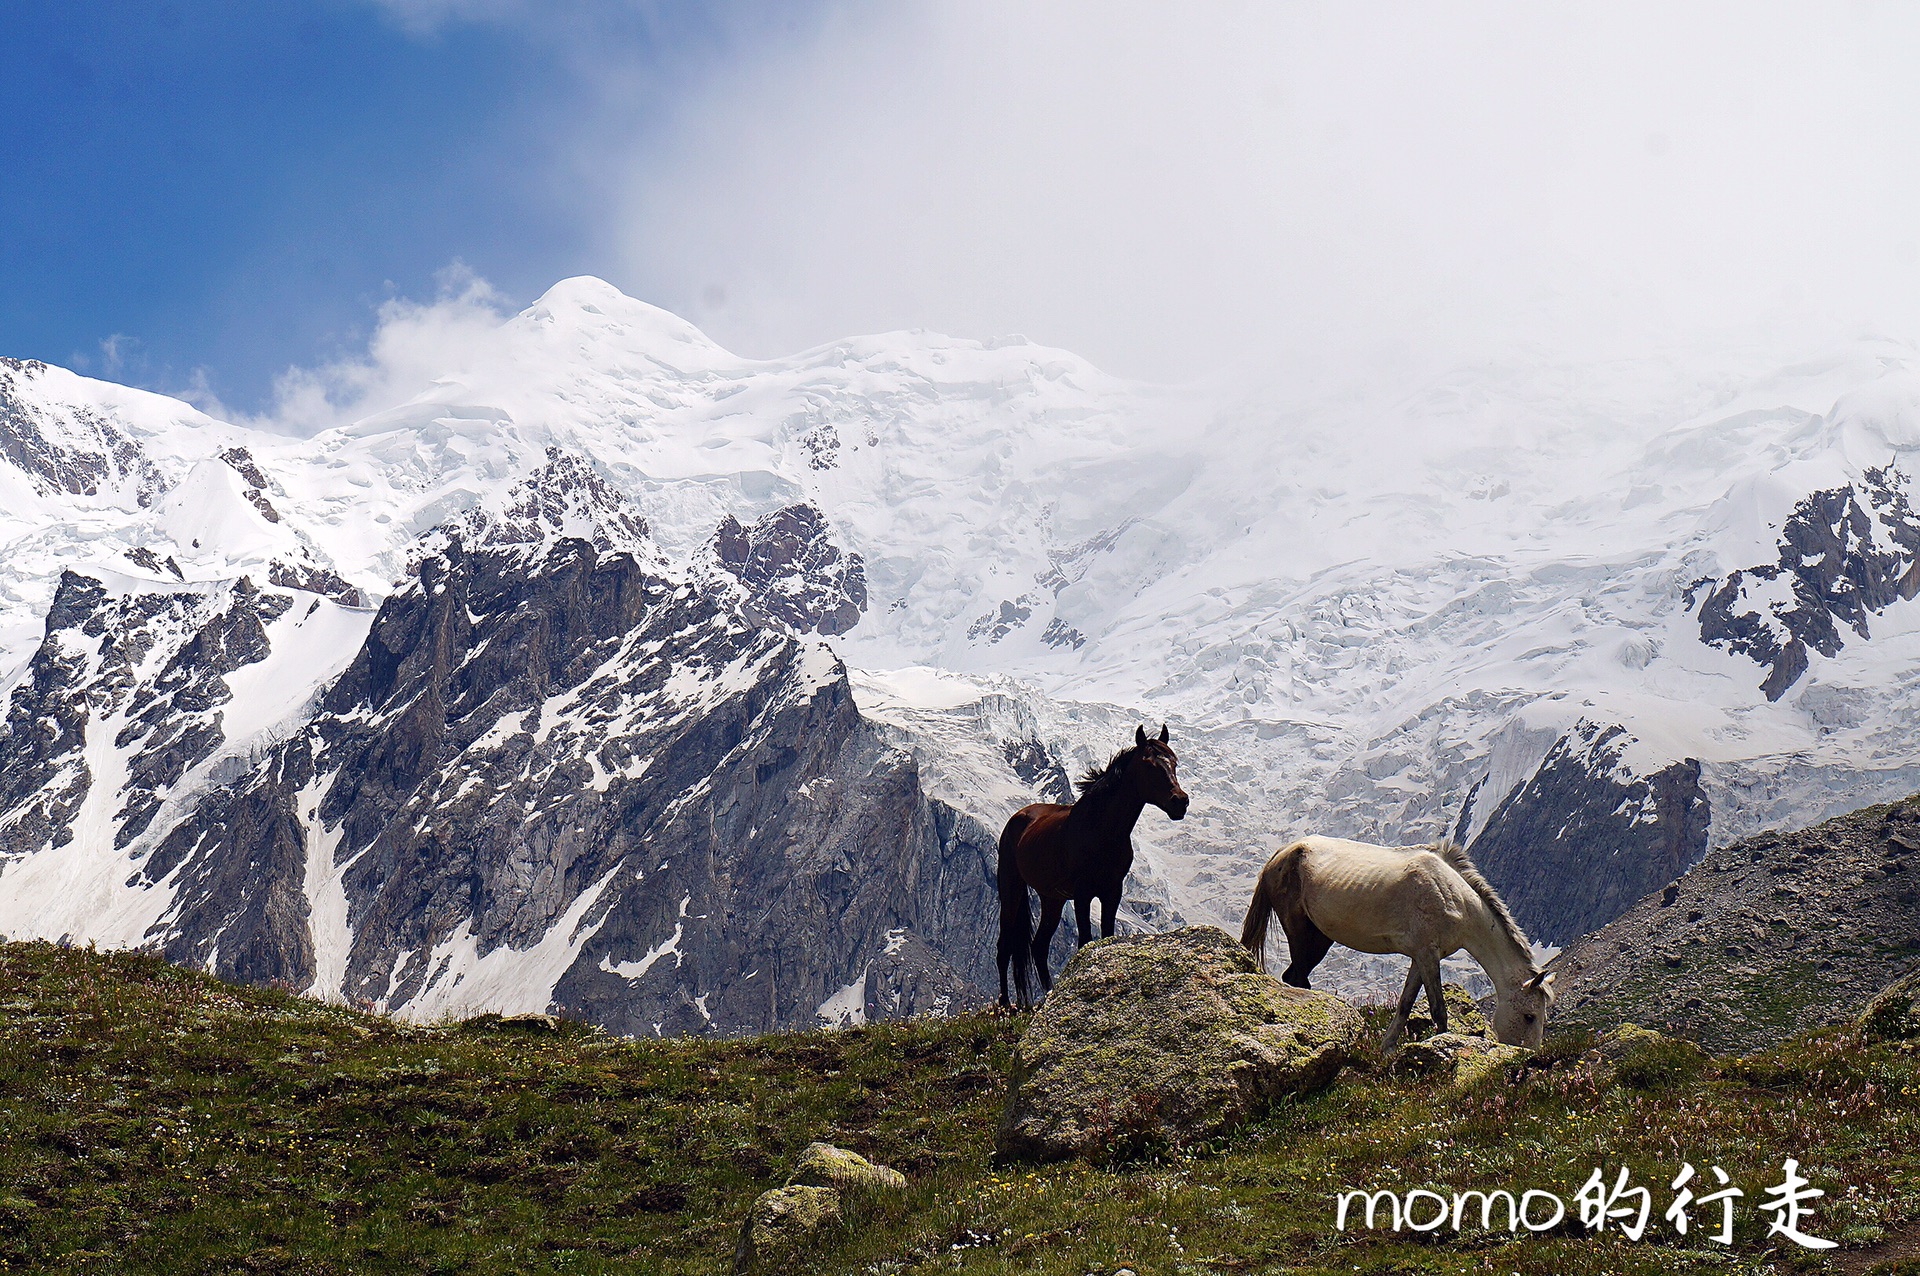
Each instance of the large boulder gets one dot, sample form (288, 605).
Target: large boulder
(1642, 1059)
(1165, 1039)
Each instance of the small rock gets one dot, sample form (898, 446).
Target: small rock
(1466, 1058)
(491, 1022)
(1463, 1015)
(1643, 1059)
(1165, 1039)
(824, 1165)
(779, 1223)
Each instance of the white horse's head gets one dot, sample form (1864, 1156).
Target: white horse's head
(1520, 1013)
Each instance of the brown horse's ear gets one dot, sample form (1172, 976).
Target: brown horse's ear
(1163, 733)
(1139, 735)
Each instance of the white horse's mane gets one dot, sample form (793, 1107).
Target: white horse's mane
(1457, 858)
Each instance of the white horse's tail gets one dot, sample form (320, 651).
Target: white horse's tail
(1266, 902)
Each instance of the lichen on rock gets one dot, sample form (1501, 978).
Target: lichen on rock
(779, 1223)
(1467, 1059)
(1642, 1059)
(1463, 1016)
(1165, 1040)
(824, 1165)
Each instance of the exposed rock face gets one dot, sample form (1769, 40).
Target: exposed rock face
(792, 571)
(555, 779)
(910, 978)
(75, 450)
(257, 483)
(126, 681)
(314, 579)
(1762, 939)
(1165, 1039)
(1845, 554)
(1585, 836)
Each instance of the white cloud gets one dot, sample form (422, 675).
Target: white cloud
(413, 344)
(1171, 188)
(1332, 191)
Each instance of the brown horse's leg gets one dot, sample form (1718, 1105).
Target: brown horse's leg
(1109, 906)
(1398, 1024)
(1016, 918)
(1043, 938)
(1083, 918)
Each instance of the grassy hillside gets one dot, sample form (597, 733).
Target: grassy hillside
(153, 1120)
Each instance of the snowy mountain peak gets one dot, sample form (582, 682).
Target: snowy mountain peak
(605, 321)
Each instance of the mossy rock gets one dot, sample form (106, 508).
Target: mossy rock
(1894, 1013)
(1463, 1016)
(1643, 1059)
(780, 1223)
(1466, 1059)
(1164, 1040)
(824, 1165)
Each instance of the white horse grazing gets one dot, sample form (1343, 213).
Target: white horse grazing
(1425, 901)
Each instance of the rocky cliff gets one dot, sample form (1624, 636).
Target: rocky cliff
(1581, 839)
(553, 776)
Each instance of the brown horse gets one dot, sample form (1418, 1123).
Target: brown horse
(1080, 853)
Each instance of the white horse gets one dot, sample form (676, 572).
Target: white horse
(1425, 901)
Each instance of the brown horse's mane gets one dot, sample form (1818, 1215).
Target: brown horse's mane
(1457, 858)
(1098, 779)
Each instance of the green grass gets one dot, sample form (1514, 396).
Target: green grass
(155, 1120)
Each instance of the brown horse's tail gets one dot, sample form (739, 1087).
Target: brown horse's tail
(1266, 902)
(1016, 916)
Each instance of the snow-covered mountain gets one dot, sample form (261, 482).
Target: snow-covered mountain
(1588, 618)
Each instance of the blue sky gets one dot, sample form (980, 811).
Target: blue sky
(236, 200)
(231, 188)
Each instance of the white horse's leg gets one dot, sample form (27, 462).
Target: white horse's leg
(1429, 968)
(1398, 1024)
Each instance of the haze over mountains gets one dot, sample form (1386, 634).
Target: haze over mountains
(618, 674)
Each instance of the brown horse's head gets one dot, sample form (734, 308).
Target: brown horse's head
(1152, 769)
